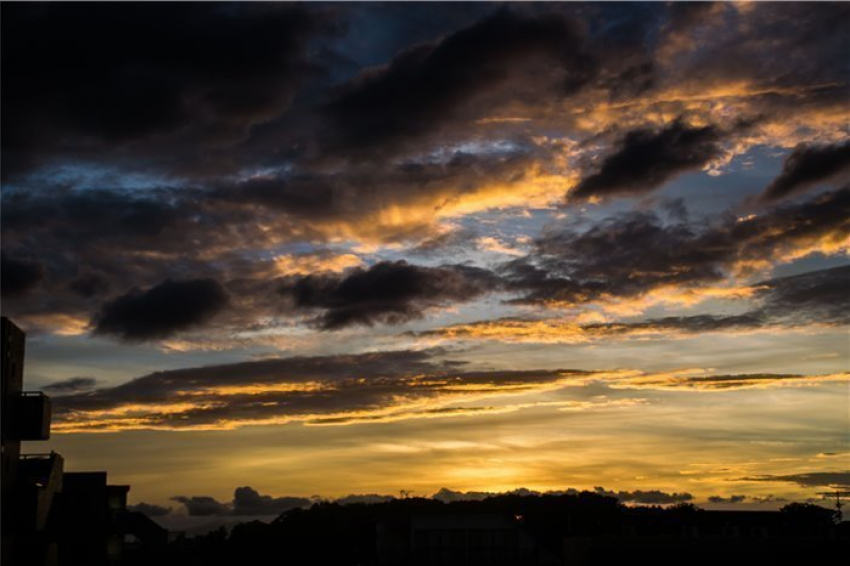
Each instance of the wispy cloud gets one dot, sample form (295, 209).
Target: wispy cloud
(835, 480)
(378, 387)
(811, 301)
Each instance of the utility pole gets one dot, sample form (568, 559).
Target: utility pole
(838, 503)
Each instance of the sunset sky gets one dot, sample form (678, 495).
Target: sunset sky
(332, 249)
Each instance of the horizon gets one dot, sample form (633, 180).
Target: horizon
(350, 249)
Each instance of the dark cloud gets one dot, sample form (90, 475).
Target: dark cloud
(308, 195)
(807, 166)
(202, 505)
(682, 17)
(360, 192)
(689, 324)
(91, 243)
(195, 73)
(316, 390)
(636, 252)
(100, 219)
(770, 498)
(247, 501)
(817, 297)
(461, 106)
(647, 158)
(806, 54)
(161, 386)
(557, 330)
(814, 297)
(90, 286)
(730, 499)
(387, 292)
(624, 255)
(335, 390)
(161, 311)
(17, 276)
(720, 382)
(71, 385)
(149, 509)
(426, 85)
(94, 240)
(651, 497)
(840, 480)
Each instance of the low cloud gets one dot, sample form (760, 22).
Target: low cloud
(770, 498)
(651, 497)
(150, 509)
(248, 501)
(202, 505)
(161, 311)
(731, 499)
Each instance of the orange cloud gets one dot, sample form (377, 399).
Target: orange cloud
(306, 264)
(56, 323)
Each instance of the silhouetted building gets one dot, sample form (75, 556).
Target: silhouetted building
(51, 517)
(30, 482)
(88, 506)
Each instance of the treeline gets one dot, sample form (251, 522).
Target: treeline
(342, 535)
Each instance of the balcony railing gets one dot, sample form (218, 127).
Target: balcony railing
(30, 416)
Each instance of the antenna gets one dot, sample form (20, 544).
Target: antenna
(838, 503)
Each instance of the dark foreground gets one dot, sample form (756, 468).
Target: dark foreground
(583, 529)
(51, 517)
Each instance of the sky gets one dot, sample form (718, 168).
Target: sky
(270, 252)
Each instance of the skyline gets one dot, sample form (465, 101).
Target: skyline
(336, 249)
